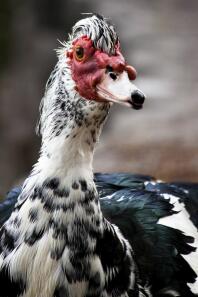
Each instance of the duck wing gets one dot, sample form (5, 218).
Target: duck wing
(137, 205)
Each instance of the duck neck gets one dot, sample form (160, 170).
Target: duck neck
(67, 157)
(70, 126)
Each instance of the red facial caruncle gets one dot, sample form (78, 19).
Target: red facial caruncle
(90, 68)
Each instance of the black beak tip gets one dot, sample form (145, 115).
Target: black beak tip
(137, 99)
(136, 107)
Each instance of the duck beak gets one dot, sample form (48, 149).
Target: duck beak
(118, 88)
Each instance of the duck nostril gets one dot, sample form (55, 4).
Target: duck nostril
(138, 97)
(113, 75)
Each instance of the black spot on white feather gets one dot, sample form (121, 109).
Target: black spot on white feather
(62, 106)
(37, 194)
(58, 132)
(59, 230)
(68, 207)
(33, 214)
(56, 254)
(49, 205)
(16, 221)
(52, 183)
(90, 195)
(32, 237)
(8, 239)
(83, 184)
(75, 185)
(62, 192)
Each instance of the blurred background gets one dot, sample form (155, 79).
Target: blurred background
(159, 38)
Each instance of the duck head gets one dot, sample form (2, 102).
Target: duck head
(98, 67)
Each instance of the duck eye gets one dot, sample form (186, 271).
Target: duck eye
(79, 51)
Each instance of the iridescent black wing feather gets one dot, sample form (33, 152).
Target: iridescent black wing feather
(135, 205)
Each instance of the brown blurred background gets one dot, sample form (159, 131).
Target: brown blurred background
(159, 38)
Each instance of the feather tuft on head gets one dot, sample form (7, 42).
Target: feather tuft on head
(99, 30)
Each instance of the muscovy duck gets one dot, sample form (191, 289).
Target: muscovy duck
(68, 232)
